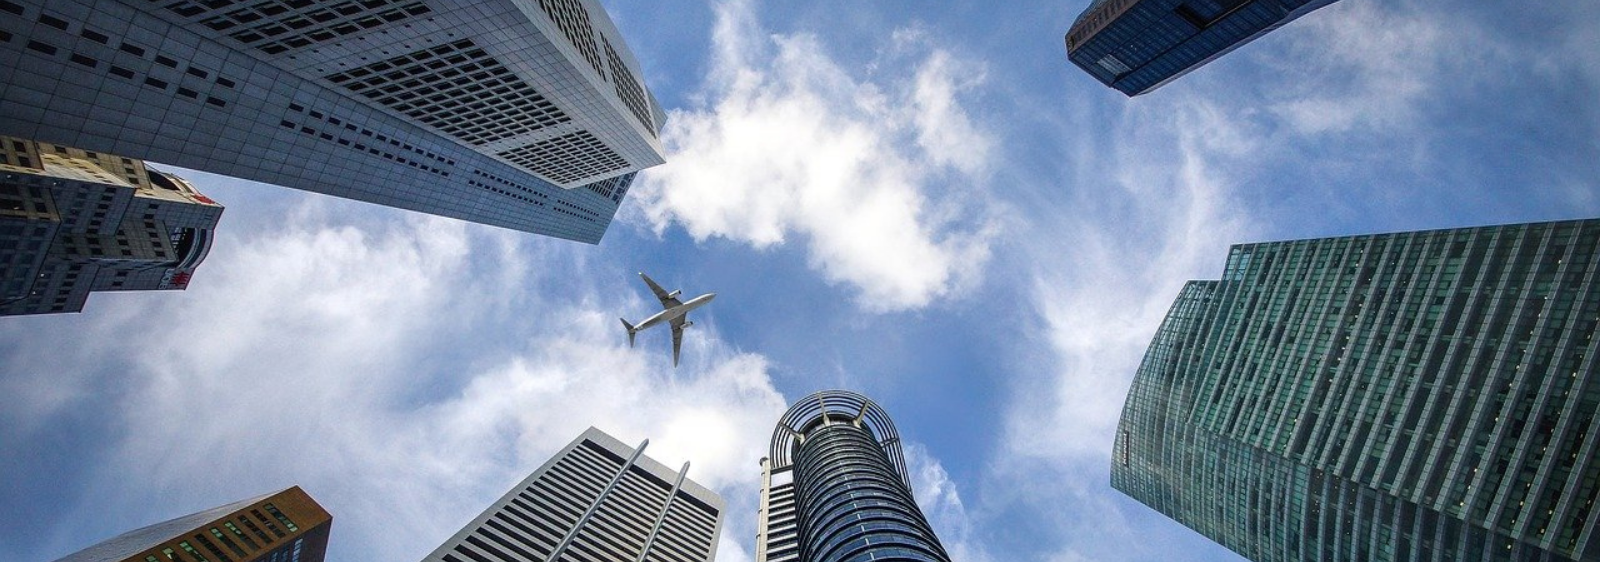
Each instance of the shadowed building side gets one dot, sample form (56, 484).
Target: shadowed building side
(524, 115)
(1136, 46)
(1428, 396)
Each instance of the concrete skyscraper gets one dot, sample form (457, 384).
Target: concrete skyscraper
(287, 526)
(1427, 396)
(835, 487)
(528, 115)
(1138, 45)
(73, 221)
(596, 500)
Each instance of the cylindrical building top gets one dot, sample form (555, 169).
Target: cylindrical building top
(836, 406)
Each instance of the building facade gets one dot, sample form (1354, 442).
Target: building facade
(287, 526)
(1427, 396)
(528, 115)
(597, 500)
(835, 487)
(74, 221)
(1136, 46)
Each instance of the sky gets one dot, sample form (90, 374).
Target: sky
(931, 207)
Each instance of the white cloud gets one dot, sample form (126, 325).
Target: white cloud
(940, 502)
(1118, 255)
(874, 176)
(1362, 66)
(405, 375)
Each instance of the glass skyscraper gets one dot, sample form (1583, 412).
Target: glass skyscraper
(1137, 46)
(596, 500)
(835, 487)
(1425, 396)
(528, 115)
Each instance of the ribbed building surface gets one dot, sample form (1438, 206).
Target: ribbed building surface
(1426, 396)
(529, 115)
(74, 222)
(835, 488)
(1137, 46)
(598, 500)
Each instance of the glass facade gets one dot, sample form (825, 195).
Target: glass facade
(841, 493)
(1137, 46)
(1415, 396)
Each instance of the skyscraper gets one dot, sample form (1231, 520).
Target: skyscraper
(287, 526)
(835, 487)
(73, 221)
(1426, 396)
(598, 499)
(1139, 45)
(528, 115)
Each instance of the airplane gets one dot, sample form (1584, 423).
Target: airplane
(673, 311)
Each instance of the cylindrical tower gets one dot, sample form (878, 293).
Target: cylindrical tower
(851, 494)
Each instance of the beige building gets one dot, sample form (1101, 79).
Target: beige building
(74, 221)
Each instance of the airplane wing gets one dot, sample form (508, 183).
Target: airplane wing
(677, 339)
(667, 301)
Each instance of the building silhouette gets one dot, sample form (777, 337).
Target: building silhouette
(73, 221)
(598, 499)
(1425, 396)
(519, 114)
(1136, 46)
(287, 526)
(835, 487)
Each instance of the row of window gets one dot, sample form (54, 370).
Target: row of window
(277, 26)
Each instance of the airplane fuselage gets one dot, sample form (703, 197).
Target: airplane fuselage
(675, 312)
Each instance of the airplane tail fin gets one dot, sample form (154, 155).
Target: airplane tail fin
(631, 331)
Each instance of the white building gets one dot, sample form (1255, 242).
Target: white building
(523, 114)
(598, 499)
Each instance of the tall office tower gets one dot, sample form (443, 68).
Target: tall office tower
(1137, 46)
(73, 221)
(597, 500)
(835, 488)
(287, 526)
(522, 114)
(1425, 396)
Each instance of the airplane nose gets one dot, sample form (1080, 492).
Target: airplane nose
(710, 296)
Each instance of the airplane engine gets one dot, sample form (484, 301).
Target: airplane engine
(674, 294)
(687, 323)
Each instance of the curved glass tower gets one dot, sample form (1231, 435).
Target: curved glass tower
(835, 488)
(1426, 396)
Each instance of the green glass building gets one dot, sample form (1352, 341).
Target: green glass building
(1422, 396)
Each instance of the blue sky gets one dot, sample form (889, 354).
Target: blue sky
(931, 207)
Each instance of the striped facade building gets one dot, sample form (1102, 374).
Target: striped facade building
(598, 500)
(835, 488)
(287, 526)
(1427, 396)
(523, 114)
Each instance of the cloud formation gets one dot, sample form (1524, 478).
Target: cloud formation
(873, 172)
(941, 503)
(397, 379)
